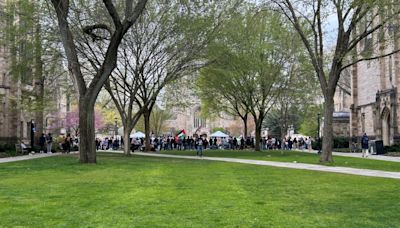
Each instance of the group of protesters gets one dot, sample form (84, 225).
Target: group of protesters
(109, 143)
(158, 143)
(233, 143)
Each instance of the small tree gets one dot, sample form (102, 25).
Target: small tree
(248, 70)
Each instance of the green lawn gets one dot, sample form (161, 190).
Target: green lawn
(300, 157)
(161, 192)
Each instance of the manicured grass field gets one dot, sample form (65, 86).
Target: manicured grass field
(292, 156)
(161, 192)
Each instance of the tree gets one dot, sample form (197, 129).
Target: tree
(309, 124)
(357, 21)
(248, 67)
(166, 44)
(158, 118)
(70, 121)
(88, 92)
(296, 97)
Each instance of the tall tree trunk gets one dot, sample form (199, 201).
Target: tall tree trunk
(258, 124)
(146, 116)
(283, 131)
(87, 146)
(127, 141)
(327, 144)
(244, 118)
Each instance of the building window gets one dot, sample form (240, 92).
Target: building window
(198, 121)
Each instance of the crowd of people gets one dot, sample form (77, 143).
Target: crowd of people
(181, 143)
(109, 143)
(233, 143)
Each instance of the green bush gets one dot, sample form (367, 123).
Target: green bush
(393, 148)
(341, 142)
(11, 153)
(316, 145)
(338, 143)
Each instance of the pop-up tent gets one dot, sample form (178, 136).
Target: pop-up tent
(138, 135)
(219, 134)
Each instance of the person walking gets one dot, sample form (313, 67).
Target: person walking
(49, 141)
(364, 145)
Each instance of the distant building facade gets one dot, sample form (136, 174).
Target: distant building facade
(375, 94)
(190, 119)
(16, 95)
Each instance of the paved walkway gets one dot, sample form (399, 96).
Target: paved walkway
(27, 157)
(322, 168)
(358, 155)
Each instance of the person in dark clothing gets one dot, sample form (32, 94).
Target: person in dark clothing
(290, 143)
(184, 143)
(205, 143)
(235, 143)
(110, 143)
(364, 145)
(98, 142)
(242, 143)
(67, 144)
(42, 143)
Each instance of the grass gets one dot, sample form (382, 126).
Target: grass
(300, 157)
(161, 192)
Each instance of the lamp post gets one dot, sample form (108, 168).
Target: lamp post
(115, 128)
(319, 136)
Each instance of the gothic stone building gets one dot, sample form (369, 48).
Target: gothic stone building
(375, 95)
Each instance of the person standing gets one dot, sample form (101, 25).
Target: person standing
(42, 142)
(199, 147)
(67, 144)
(49, 141)
(309, 143)
(364, 145)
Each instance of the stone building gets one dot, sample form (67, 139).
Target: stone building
(186, 113)
(18, 91)
(342, 99)
(189, 118)
(375, 87)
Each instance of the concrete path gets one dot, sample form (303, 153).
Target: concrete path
(358, 155)
(343, 170)
(27, 157)
(321, 168)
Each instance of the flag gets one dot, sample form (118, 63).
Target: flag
(181, 134)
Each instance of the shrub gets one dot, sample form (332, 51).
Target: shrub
(338, 142)
(341, 142)
(393, 148)
(316, 145)
(9, 146)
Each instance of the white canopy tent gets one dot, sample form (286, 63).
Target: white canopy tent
(138, 134)
(219, 134)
